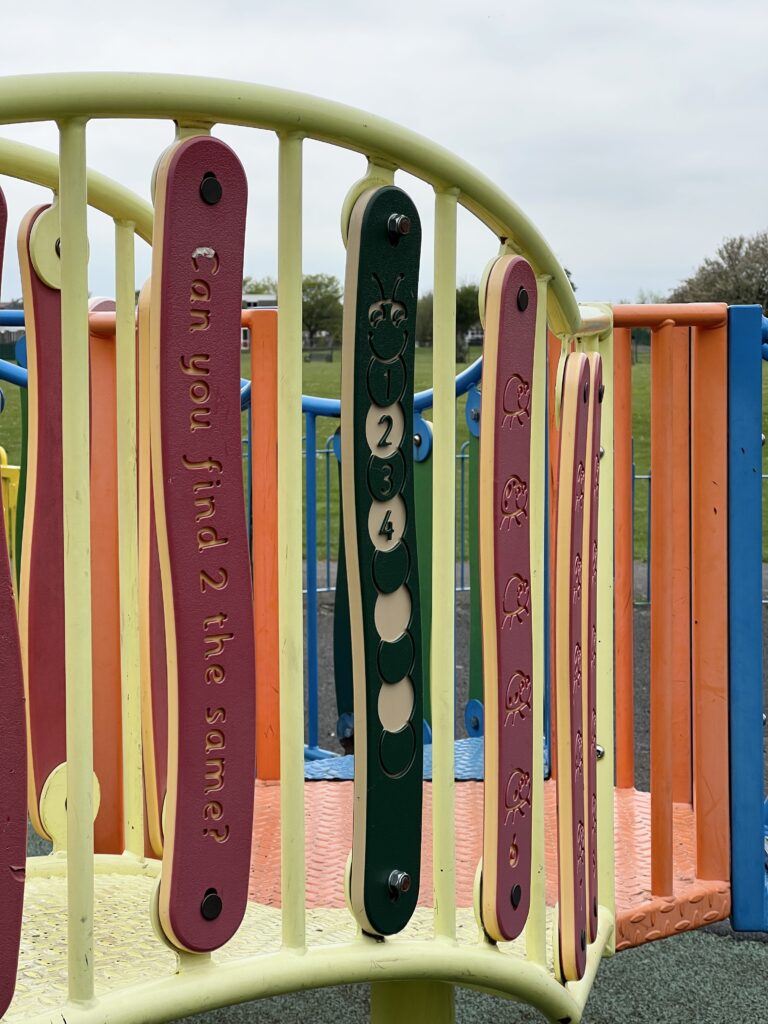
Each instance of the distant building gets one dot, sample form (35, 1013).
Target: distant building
(251, 301)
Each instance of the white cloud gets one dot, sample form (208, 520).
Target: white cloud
(631, 134)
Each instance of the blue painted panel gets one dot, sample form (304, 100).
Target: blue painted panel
(748, 873)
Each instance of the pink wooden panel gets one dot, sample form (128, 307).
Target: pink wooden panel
(13, 758)
(202, 541)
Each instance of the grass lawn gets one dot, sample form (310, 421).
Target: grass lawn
(323, 380)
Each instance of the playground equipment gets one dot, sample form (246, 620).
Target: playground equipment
(521, 899)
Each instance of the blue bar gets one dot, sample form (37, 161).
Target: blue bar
(12, 373)
(11, 317)
(749, 891)
(311, 512)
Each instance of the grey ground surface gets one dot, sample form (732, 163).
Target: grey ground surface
(710, 977)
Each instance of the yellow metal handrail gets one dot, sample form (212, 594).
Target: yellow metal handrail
(196, 105)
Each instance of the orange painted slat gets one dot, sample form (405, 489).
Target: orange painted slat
(661, 611)
(680, 523)
(624, 557)
(681, 313)
(105, 596)
(262, 324)
(709, 639)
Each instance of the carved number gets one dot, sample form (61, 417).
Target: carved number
(386, 481)
(383, 440)
(386, 529)
(215, 584)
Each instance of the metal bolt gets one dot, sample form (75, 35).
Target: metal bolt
(600, 752)
(601, 392)
(57, 247)
(474, 415)
(475, 722)
(594, 906)
(522, 299)
(516, 895)
(762, 440)
(583, 940)
(399, 883)
(397, 226)
(210, 189)
(417, 440)
(602, 451)
(586, 390)
(211, 906)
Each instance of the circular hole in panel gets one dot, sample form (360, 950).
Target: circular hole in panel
(396, 704)
(384, 429)
(386, 381)
(392, 614)
(386, 523)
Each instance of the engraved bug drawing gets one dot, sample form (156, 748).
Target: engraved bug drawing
(514, 503)
(388, 309)
(577, 577)
(518, 699)
(517, 796)
(580, 850)
(579, 503)
(576, 668)
(578, 754)
(516, 401)
(516, 602)
(594, 561)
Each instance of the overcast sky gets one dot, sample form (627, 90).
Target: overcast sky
(633, 134)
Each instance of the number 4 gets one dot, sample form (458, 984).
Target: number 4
(386, 529)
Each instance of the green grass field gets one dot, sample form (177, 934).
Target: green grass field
(322, 379)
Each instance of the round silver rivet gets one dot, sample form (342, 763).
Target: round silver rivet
(600, 752)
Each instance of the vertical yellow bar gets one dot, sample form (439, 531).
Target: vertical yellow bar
(75, 429)
(605, 652)
(127, 511)
(289, 476)
(536, 926)
(444, 564)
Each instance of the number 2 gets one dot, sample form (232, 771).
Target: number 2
(383, 440)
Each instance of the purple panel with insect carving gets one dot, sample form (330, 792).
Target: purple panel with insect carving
(510, 327)
(596, 398)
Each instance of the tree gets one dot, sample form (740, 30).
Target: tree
(467, 317)
(737, 274)
(259, 286)
(321, 305)
(321, 301)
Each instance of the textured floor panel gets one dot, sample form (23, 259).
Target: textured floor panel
(641, 917)
(127, 951)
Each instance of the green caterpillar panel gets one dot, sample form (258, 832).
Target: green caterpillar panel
(381, 559)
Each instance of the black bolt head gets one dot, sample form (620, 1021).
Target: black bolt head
(515, 896)
(210, 189)
(601, 392)
(211, 906)
(522, 299)
(586, 390)
(398, 225)
(57, 247)
(583, 940)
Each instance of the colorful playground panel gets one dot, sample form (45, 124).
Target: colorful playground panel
(13, 757)
(569, 590)
(505, 575)
(694, 873)
(202, 541)
(381, 561)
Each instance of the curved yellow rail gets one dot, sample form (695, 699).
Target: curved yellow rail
(202, 102)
